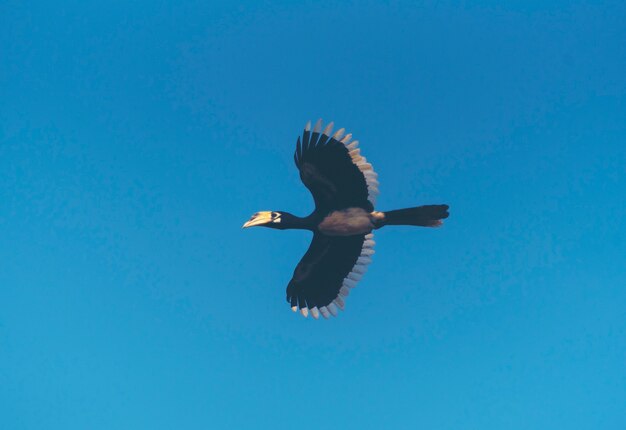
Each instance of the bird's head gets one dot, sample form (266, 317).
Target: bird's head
(270, 219)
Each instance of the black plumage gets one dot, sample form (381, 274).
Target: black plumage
(344, 188)
(319, 274)
(328, 171)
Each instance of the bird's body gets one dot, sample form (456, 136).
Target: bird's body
(344, 187)
(347, 222)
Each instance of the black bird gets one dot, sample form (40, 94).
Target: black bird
(344, 187)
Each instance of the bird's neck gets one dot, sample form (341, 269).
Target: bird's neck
(292, 222)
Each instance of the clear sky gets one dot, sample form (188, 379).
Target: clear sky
(137, 137)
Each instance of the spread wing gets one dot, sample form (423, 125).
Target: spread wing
(334, 171)
(329, 269)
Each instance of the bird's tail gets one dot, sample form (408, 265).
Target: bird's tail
(425, 216)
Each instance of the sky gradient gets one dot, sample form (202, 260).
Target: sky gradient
(136, 138)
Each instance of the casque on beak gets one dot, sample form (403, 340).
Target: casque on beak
(259, 218)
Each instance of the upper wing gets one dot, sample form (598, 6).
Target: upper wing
(334, 171)
(323, 277)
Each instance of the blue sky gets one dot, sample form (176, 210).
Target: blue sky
(135, 139)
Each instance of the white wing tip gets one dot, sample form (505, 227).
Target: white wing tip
(315, 313)
(332, 307)
(355, 276)
(329, 128)
(339, 302)
(350, 283)
(318, 126)
(324, 312)
(339, 133)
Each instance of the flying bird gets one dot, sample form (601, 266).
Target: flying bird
(344, 188)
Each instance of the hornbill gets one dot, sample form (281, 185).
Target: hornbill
(344, 187)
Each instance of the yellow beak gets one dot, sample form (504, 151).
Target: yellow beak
(260, 218)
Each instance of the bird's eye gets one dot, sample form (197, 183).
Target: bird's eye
(274, 214)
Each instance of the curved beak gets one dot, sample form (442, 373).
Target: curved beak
(260, 218)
